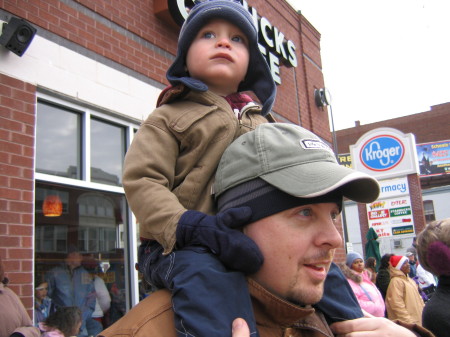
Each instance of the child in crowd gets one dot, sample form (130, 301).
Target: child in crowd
(169, 169)
(43, 305)
(64, 322)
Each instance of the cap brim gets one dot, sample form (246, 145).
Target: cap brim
(314, 179)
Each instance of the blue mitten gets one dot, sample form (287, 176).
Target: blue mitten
(233, 248)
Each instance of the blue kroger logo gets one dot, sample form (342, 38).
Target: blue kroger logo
(382, 153)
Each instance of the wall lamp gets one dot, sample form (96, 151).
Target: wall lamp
(322, 97)
(16, 35)
(52, 206)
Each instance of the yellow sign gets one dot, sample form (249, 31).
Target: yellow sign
(345, 160)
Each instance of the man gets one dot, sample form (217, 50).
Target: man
(403, 300)
(70, 284)
(292, 187)
(412, 264)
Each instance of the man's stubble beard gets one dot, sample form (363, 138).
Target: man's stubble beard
(301, 295)
(310, 293)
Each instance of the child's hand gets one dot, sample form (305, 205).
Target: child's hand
(233, 248)
(240, 328)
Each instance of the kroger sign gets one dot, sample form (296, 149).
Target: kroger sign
(382, 153)
(385, 153)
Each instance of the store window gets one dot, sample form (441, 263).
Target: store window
(428, 207)
(58, 141)
(107, 152)
(82, 219)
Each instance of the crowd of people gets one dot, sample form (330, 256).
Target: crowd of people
(406, 286)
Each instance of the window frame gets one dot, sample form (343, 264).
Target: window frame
(428, 210)
(130, 125)
(86, 113)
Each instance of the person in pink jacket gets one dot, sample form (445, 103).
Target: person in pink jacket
(367, 293)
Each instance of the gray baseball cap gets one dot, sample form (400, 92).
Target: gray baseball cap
(294, 160)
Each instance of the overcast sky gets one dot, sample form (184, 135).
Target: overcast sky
(382, 59)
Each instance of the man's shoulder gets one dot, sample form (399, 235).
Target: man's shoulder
(153, 316)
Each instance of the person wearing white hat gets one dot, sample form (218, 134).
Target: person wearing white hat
(403, 301)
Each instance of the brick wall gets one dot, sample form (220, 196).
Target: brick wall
(110, 28)
(415, 193)
(17, 129)
(428, 126)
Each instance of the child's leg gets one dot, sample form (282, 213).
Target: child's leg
(206, 297)
(339, 302)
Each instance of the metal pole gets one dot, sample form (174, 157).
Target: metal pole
(335, 148)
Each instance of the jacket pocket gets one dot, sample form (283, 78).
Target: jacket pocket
(190, 116)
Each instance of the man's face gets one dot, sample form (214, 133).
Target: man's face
(74, 259)
(298, 246)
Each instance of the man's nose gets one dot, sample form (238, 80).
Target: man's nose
(329, 235)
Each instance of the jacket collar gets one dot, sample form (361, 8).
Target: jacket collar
(397, 273)
(173, 93)
(273, 311)
(351, 274)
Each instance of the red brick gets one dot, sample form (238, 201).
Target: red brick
(9, 241)
(22, 139)
(5, 158)
(26, 219)
(12, 103)
(22, 95)
(27, 241)
(22, 161)
(20, 207)
(5, 90)
(8, 193)
(11, 125)
(21, 230)
(23, 117)
(21, 253)
(9, 217)
(10, 147)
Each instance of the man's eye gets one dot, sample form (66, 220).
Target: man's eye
(305, 212)
(334, 216)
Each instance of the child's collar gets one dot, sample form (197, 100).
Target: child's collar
(238, 100)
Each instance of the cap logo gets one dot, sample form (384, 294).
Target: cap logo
(313, 144)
